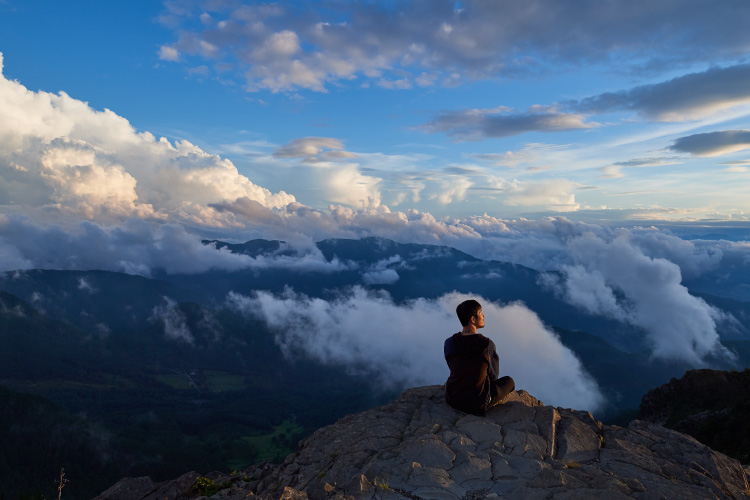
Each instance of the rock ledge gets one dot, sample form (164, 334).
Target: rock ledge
(417, 447)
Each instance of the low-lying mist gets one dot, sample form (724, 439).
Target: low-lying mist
(401, 345)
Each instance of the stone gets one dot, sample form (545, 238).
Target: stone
(417, 447)
(128, 488)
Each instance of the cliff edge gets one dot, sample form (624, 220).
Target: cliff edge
(417, 447)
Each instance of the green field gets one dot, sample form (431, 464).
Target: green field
(175, 381)
(277, 444)
(224, 382)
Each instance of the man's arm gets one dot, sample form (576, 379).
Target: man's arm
(493, 370)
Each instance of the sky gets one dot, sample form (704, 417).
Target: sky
(595, 111)
(605, 144)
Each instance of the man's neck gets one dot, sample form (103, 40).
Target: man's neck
(469, 330)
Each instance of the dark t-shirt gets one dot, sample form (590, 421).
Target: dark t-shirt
(474, 364)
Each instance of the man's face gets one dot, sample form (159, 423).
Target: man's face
(479, 319)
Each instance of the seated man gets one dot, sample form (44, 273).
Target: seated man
(473, 386)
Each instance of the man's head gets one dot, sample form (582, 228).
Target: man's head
(469, 309)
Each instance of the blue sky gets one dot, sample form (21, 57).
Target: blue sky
(598, 112)
(583, 137)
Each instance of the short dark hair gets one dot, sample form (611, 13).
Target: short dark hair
(467, 310)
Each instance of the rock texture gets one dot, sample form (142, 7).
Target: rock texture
(419, 448)
(710, 405)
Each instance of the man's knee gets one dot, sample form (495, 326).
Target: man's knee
(507, 383)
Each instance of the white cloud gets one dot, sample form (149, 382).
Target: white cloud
(284, 49)
(174, 321)
(551, 194)
(408, 350)
(611, 172)
(613, 277)
(346, 184)
(382, 272)
(167, 53)
(55, 151)
(382, 277)
(452, 189)
(135, 247)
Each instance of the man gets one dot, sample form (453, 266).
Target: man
(473, 386)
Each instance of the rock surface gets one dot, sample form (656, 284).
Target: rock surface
(710, 405)
(418, 447)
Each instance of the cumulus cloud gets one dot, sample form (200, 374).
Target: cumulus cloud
(347, 184)
(58, 153)
(552, 194)
(478, 124)
(408, 350)
(605, 270)
(452, 188)
(713, 143)
(421, 42)
(689, 97)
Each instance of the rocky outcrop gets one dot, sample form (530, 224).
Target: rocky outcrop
(419, 448)
(710, 405)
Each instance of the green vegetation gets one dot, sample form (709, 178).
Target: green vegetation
(224, 382)
(278, 443)
(710, 405)
(208, 487)
(175, 381)
(142, 415)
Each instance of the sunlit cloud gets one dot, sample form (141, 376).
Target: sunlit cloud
(688, 97)
(57, 152)
(713, 143)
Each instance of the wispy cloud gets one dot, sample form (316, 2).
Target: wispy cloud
(478, 124)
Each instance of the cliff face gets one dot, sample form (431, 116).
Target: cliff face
(710, 405)
(419, 448)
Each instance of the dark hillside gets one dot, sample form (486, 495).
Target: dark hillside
(710, 405)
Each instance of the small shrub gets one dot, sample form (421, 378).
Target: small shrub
(208, 487)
